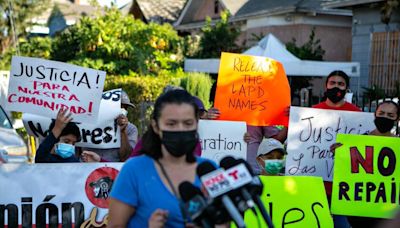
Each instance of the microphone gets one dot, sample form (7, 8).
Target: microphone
(240, 176)
(216, 182)
(256, 187)
(195, 204)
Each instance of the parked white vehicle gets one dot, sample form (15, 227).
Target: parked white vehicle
(12, 146)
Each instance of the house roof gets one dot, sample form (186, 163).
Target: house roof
(158, 10)
(242, 9)
(347, 3)
(71, 12)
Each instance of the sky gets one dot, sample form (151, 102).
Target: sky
(108, 2)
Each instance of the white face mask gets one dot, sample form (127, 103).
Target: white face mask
(124, 112)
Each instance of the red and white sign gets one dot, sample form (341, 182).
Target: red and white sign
(216, 183)
(43, 87)
(55, 195)
(104, 134)
(238, 175)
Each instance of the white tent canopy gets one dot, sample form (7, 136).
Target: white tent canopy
(271, 47)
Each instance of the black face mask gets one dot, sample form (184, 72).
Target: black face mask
(383, 124)
(179, 143)
(335, 94)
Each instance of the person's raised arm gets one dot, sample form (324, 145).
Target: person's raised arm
(126, 148)
(61, 121)
(43, 152)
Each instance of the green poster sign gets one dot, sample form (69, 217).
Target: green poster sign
(293, 201)
(366, 176)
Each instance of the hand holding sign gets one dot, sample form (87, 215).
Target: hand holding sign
(122, 121)
(90, 156)
(61, 122)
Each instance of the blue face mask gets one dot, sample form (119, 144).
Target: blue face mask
(274, 166)
(65, 150)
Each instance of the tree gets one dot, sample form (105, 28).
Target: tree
(16, 18)
(218, 38)
(118, 44)
(387, 10)
(311, 50)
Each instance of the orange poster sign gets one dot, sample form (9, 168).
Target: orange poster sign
(252, 89)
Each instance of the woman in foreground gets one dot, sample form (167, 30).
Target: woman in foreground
(145, 193)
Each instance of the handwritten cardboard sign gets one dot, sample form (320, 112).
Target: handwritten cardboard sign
(252, 89)
(222, 138)
(104, 134)
(366, 176)
(56, 195)
(313, 131)
(290, 204)
(43, 87)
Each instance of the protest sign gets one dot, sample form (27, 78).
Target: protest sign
(55, 195)
(222, 138)
(104, 134)
(293, 201)
(365, 181)
(43, 87)
(252, 89)
(313, 131)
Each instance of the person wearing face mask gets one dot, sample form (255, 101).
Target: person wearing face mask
(129, 137)
(145, 193)
(386, 117)
(59, 145)
(336, 84)
(270, 157)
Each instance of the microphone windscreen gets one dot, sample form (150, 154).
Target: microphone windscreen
(241, 160)
(187, 191)
(228, 162)
(204, 168)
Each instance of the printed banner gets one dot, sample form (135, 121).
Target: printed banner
(366, 181)
(104, 134)
(43, 87)
(222, 138)
(64, 194)
(293, 202)
(252, 89)
(313, 131)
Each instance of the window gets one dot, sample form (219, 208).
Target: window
(384, 69)
(216, 6)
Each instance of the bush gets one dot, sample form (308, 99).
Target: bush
(198, 84)
(119, 44)
(39, 47)
(144, 90)
(141, 90)
(219, 38)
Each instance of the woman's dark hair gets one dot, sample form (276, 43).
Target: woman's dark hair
(152, 141)
(70, 128)
(389, 102)
(341, 74)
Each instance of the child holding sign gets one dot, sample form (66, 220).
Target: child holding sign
(59, 145)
